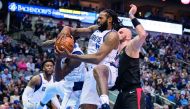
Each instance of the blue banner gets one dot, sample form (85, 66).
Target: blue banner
(31, 9)
(86, 17)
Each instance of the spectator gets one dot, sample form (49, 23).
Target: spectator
(30, 65)
(6, 76)
(26, 22)
(15, 97)
(171, 96)
(22, 65)
(183, 101)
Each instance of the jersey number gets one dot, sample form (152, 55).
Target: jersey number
(97, 45)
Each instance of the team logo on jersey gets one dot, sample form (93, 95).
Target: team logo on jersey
(96, 38)
(43, 88)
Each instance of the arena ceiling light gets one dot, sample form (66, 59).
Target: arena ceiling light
(185, 1)
(1, 4)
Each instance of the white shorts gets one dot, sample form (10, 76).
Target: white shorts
(69, 97)
(89, 93)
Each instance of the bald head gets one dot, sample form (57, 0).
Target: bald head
(124, 34)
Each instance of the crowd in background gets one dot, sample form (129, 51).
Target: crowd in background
(19, 60)
(165, 69)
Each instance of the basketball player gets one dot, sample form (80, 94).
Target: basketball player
(102, 50)
(37, 85)
(70, 74)
(128, 80)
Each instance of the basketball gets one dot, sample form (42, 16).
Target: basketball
(65, 42)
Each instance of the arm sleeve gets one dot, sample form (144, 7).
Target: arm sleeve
(28, 91)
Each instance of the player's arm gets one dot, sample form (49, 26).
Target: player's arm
(84, 30)
(68, 30)
(111, 42)
(64, 66)
(138, 41)
(48, 42)
(29, 90)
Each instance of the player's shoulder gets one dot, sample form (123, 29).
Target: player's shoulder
(36, 79)
(113, 34)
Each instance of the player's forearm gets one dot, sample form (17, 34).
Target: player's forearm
(49, 42)
(138, 26)
(88, 58)
(62, 69)
(66, 69)
(141, 32)
(58, 69)
(89, 29)
(66, 30)
(26, 95)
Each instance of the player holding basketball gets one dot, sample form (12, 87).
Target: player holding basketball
(69, 75)
(37, 85)
(102, 50)
(128, 82)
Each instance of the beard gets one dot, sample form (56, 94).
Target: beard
(103, 26)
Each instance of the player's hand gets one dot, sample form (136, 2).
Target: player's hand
(64, 53)
(58, 53)
(133, 10)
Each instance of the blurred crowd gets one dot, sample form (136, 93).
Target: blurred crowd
(21, 58)
(165, 69)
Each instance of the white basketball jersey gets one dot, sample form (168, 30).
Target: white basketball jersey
(95, 41)
(39, 93)
(78, 73)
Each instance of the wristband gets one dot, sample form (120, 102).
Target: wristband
(135, 22)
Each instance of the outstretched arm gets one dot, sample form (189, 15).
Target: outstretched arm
(138, 41)
(68, 30)
(48, 42)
